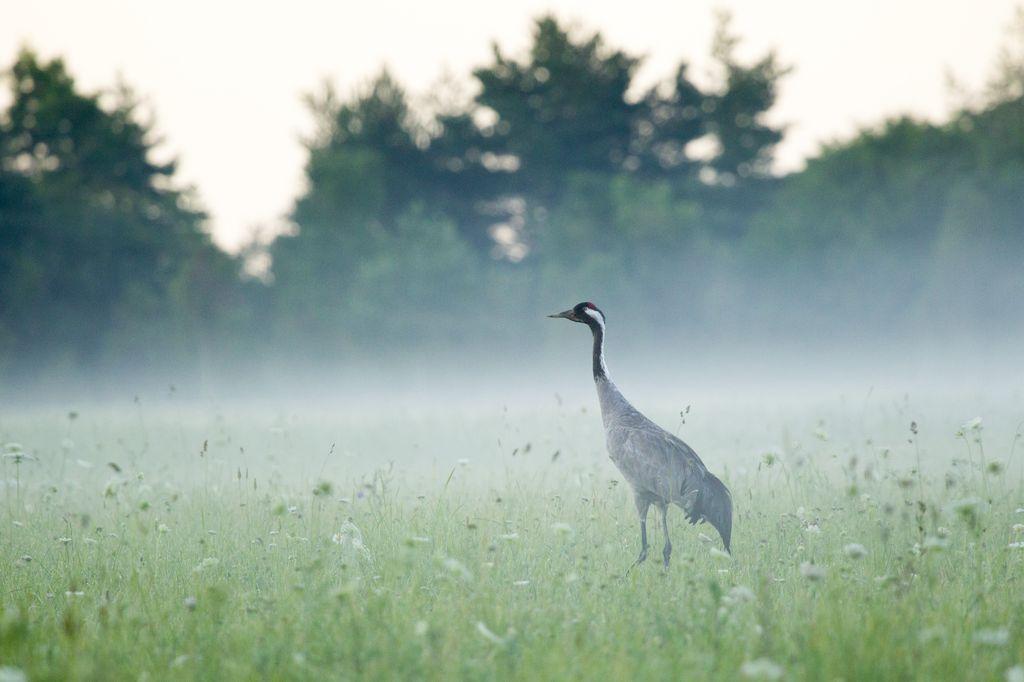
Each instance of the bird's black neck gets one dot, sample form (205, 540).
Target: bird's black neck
(600, 371)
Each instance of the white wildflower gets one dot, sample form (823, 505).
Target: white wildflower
(521, 583)
(972, 425)
(1018, 528)
(812, 572)
(349, 536)
(855, 550)
(190, 603)
(1015, 545)
(561, 528)
(11, 674)
(487, 634)
(18, 457)
(813, 529)
(509, 536)
(992, 637)
(421, 627)
(207, 563)
(761, 669)
(162, 528)
(457, 567)
(1015, 674)
(739, 594)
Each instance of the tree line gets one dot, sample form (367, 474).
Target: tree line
(452, 223)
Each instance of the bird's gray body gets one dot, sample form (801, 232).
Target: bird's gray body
(660, 468)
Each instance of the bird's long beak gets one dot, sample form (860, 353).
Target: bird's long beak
(567, 314)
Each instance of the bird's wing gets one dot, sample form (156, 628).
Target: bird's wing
(655, 461)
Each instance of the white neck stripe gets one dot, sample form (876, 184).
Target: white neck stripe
(598, 317)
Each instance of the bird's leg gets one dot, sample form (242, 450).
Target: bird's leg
(643, 541)
(642, 505)
(667, 552)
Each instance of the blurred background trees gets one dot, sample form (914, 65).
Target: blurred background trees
(557, 180)
(102, 261)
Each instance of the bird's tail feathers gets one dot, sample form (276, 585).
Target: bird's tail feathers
(714, 505)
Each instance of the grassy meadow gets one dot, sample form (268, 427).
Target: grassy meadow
(176, 542)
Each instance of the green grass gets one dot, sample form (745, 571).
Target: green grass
(219, 561)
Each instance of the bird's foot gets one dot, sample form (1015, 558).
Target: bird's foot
(639, 560)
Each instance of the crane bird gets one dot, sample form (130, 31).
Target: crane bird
(661, 469)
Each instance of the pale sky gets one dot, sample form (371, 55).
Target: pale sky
(225, 79)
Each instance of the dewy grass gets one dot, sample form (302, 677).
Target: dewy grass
(418, 546)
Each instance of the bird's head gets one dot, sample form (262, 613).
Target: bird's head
(586, 313)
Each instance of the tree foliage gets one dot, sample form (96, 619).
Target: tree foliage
(558, 179)
(101, 259)
(555, 167)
